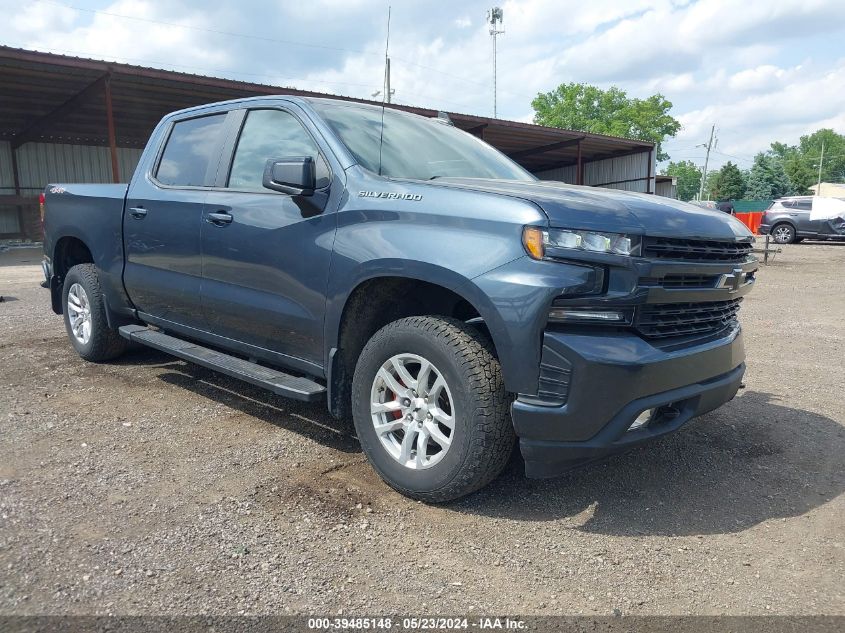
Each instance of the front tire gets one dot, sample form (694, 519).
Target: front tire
(85, 316)
(430, 408)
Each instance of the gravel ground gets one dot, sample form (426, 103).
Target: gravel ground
(149, 485)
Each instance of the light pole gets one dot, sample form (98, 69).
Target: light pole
(495, 17)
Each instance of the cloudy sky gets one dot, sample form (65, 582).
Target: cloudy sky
(761, 70)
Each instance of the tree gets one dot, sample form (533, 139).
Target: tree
(576, 106)
(766, 178)
(731, 183)
(801, 162)
(689, 178)
(712, 184)
(810, 151)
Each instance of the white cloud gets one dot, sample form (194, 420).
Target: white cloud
(141, 40)
(761, 71)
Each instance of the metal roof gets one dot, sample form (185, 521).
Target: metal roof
(59, 99)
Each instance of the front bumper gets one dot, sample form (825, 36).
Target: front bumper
(614, 378)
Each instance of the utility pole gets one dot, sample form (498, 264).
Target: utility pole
(821, 162)
(709, 145)
(495, 17)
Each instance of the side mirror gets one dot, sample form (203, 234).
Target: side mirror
(294, 175)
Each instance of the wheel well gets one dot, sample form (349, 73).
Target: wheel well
(780, 222)
(69, 252)
(377, 302)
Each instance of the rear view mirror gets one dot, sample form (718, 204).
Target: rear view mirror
(294, 175)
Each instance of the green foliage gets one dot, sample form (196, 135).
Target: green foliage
(711, 186)
(801, 162)
(731, 184)
(576, 106)
(766, 178)
(689, 178)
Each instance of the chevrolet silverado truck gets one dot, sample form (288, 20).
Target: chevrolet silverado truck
(412, 277)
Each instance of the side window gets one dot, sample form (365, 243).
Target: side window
(189, 150)
(271, 134)
(804, 205)
(788, 204)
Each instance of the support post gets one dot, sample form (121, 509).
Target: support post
(579, 169)
(115, 169)
(650, 160)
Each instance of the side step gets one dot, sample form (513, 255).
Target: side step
(275, 381)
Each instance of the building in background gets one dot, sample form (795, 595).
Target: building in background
(829, 190)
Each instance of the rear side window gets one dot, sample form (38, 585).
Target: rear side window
(270, 134)
(189, 150)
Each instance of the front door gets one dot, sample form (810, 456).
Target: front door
(802, 210)
(266, 254)
(163, 222)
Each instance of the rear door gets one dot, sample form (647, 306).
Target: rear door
(266, 263)
(163, 221)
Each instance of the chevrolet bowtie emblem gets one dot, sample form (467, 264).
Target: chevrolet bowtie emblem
(732, 281)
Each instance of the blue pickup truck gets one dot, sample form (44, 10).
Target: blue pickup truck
(412, 277)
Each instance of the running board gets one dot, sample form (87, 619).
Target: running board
(275, 381)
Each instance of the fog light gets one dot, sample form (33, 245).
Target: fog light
(642, 419)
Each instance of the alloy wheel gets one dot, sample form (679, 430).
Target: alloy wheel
(412, 410)
(79, 313)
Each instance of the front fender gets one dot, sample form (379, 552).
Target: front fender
(340, 291)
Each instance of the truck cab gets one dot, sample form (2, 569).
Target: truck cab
(417, 280)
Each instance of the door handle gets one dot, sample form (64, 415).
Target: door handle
(139, 213)
(219, 218)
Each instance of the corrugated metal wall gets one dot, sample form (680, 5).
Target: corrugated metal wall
(610, 173)
(41, 163)
(667, 189)
(561, 174)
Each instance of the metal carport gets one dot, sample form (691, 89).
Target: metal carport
(84, 120)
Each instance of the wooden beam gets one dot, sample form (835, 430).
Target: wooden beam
(34, 130)
(115, 167)
(478, 130)
(531, 151)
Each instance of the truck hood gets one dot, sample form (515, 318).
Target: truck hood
(591, 208)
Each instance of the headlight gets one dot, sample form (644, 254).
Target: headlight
(539, 241)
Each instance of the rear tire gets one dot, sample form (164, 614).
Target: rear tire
(432, 382)
(783, 233)
(85, 316)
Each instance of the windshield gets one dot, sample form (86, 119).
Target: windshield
(414, 146)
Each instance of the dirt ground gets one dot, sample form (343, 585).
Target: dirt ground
(149, 485)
